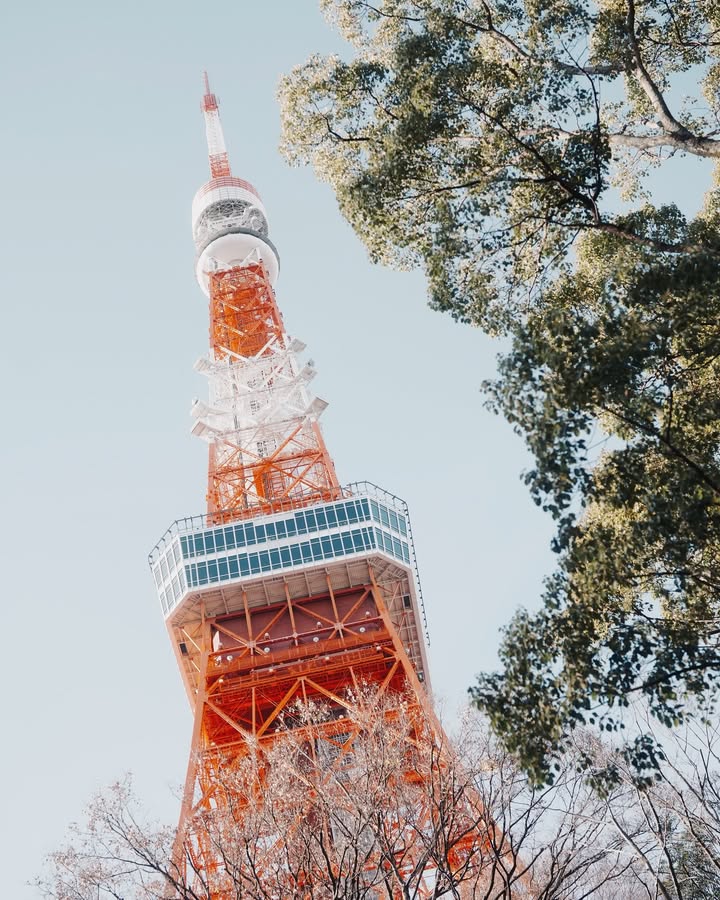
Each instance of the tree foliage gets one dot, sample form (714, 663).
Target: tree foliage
(479, 138)
(617, 393)
(502, 144)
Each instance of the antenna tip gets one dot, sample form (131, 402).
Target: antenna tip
(206, 82)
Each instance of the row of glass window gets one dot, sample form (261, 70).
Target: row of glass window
(393, 546)
(388, 517)
(243, 534)
(174, 591)
(313, 520)
(166, 564)
(325, 547)
(358, 540)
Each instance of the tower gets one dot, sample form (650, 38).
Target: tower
(290, 587)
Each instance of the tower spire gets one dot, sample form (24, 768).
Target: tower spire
(217, 154)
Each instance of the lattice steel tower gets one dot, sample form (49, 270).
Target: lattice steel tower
(289, 586)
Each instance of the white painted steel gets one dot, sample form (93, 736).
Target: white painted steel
(254, 402)
(225, 188)
(233, 250)
(214, 133)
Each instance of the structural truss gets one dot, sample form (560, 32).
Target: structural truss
(290, 588)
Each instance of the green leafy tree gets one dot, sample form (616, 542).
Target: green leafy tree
(630, 361)
(479, 138)
(501, 145)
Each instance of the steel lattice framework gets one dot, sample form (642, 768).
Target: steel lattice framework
(266, 449)
(290, 588)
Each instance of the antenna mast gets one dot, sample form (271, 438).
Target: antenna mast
(217, 154)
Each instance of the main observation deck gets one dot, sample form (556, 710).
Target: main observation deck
(193, 556)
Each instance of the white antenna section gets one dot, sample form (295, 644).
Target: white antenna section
(217, 152)
(228, 217)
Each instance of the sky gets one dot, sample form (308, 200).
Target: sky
(101, 320)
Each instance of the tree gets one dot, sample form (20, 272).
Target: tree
(341, 825)
(671, 824)
(631, 364)
(483, 140)
(479, 138)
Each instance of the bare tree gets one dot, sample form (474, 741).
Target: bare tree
(671, 824)
(369, 811)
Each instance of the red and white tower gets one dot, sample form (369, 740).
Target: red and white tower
(290, 586)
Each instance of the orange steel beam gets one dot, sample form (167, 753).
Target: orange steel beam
(264, 659)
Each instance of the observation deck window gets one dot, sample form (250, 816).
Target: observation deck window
(347, 527)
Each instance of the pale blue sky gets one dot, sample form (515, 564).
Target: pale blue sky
(103, 148)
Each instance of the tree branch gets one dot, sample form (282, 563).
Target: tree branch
(672, 448)
(684, 138)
